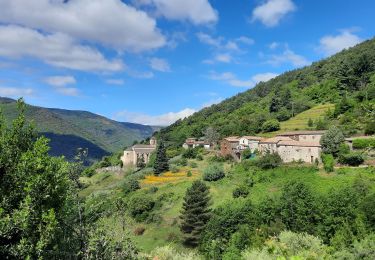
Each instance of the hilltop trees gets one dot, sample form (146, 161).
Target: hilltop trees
(161, 161)
(195, 212)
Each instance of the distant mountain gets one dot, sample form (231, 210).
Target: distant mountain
(69, 130)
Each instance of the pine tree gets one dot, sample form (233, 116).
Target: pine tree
(195, 212)
(161, 162)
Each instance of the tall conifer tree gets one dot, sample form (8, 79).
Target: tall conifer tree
(161, 162)
(195, 212)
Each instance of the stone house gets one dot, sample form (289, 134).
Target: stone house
(249, 142)
(193, 143)
(294, 146)
(229, 146)
(135, 153)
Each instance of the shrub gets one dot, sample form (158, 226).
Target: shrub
(138, 231)
(88, 172)
(328, 162)
(193, 165)
(153, 189)
(331, 140)
(140, 207)
(190, 153)
(370, 128)
(189, 174)
(246, 154)
(269, 161)
(130, 185)
(213, 172)
(175, 169)
(199, 157)
(241, 191)
(182, 162)
(352, 159)
(271, 125)
(363, 143)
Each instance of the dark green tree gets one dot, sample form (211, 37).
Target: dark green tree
(332, 140)
(195, 212)
(161, 161)
(141, 161)
(37, 207)
(310, 123)
(298, 208)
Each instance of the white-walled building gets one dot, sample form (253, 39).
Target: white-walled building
(249, 142)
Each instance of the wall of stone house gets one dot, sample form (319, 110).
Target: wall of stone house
(244, 141)
(128, 158)
(290, 153)
(309, 138)
(253, 145)
(263, 148)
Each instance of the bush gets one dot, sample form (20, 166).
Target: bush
(269, 161)
(241, 191)
(140, 207)
(370, 128)
(130, 185)
(174, 169)
(328, 162)
(190, 153)
(153, 189)
(189, 174)
(331, 141)
(138, 231)
(88, 172)
(363, 143)
(271, 125)
(193, 165)
(213, 172)
(352, 159)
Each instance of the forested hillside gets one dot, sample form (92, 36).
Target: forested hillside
(346, 80)
(69, 130)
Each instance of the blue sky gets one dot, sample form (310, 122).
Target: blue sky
(154, 61)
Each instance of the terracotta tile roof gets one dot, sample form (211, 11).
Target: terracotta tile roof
(232, 139)
(320, 132)
(300, 144)
(249, 137)
(275, 140)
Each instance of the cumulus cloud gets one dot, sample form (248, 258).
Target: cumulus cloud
(288, 56)
(56, 49)
(60, 83)
(111, 22)
(231, 79)
(160, 65)
(15, 92)
(115, 81)
(272, 11)
(160, 120)
(331, 44)
(223, 50)
(197, 12)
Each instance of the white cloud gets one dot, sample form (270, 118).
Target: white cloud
(224, 57)
(197, 12)
(111, 22)
(272, 11)
(288, 56)
(273, 45)
(115, 81)
(264, 77)
(245, 40)
(209, 40)
(55, 49)
(332, 44)
(60, 81)
(231, 79)
(160, 65)
(161, 120)
(73, 92)
(15, 92)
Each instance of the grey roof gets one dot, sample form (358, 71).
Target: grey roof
(318, 132)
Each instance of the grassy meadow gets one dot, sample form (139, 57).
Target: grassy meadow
(169, 188)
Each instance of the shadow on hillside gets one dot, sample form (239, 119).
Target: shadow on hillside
(67, 145)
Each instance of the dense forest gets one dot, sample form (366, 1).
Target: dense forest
(346, 80)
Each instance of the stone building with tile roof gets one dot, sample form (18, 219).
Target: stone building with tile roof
(138, 152)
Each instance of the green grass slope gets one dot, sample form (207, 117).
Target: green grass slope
(171, 188)
(69, 130)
